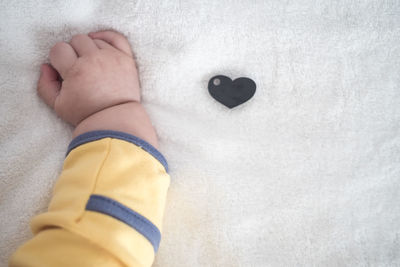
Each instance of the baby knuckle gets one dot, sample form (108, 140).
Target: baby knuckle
(76, 72)
(57, 48)
(118, 37)
(75, 38)
(122, 42)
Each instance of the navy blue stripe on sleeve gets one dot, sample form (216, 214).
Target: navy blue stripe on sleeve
(97, 135)
(124, 214)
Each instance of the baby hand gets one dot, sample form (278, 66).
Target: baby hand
(97, 71)
(93, 84)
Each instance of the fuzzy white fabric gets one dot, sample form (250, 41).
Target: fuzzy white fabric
(306, 173)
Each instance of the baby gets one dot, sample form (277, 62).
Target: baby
(108, 203)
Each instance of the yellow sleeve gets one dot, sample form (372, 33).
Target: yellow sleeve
(107, 206)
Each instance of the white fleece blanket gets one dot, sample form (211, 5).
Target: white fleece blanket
(306, 173)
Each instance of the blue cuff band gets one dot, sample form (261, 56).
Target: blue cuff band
(124, 214)
(97, 135)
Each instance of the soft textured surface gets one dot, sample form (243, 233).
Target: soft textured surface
(306, 173)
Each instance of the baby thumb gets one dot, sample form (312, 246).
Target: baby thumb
(48, 86)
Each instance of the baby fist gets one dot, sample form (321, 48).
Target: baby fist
(89, 74)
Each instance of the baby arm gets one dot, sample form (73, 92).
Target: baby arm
(108, 203)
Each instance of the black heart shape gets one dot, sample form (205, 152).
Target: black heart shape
(231, 93)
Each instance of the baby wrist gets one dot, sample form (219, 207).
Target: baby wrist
(129, 117)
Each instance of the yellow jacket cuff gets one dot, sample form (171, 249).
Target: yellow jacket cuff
(109, 199)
